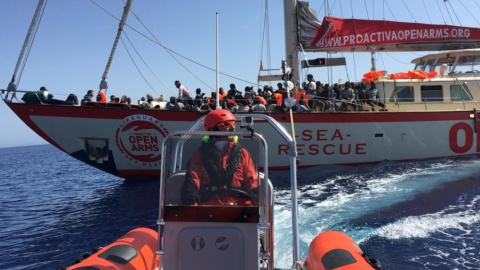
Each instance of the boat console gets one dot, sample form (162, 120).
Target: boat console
(217, 235)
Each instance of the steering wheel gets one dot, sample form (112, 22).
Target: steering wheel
(227, 192)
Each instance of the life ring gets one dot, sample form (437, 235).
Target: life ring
(290, 102)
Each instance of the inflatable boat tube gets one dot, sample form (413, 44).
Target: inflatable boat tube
(134, 250)
(335, 250)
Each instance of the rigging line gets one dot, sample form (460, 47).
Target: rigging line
(391, 12)
(135, 64)
(29, 48)
(148, 67)
(267, 34)
(144, 62)
(390, 55)
(468, 10)
(262, 43)
(354, 66)
(158, 42)
(476, 3)
(383, 62)
(351, 8)
(383, 10)
(440, 9)
(173, 52)
(346, 70)
(406, 6)
(323, 6)
(330, 7)
(448, 12)
(426, 11)
(454, 13)
(366, 9)
(341, 9)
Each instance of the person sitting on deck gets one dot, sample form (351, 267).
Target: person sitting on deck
(148, 104)
(38, 97)
(172, 105)
(41, 96)
(373, 97)
(219, 164)
(88, 96)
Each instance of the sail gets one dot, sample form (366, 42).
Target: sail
(359, 35)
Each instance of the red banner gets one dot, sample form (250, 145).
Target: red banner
(336, 34)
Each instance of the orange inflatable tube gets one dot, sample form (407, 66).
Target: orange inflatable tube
(134, 250)
(335, 250)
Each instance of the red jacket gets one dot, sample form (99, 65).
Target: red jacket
(245, 177)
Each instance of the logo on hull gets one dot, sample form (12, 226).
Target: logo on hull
(139, 136)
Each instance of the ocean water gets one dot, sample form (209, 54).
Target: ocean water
(418, 215)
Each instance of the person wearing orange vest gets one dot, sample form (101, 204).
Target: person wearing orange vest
(220, 166)
(101, 97)
(278, 97)
(262, 100)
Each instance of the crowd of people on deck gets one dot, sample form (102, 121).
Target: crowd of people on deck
(310, 96)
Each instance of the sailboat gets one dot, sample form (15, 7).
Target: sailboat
(430, 111)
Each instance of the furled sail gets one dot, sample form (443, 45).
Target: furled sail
(359, 35)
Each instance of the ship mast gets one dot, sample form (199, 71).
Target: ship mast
(126, 10)
(27, 43)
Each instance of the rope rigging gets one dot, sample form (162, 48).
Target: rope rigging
(145, 63)
(27, 46)
(172, 53)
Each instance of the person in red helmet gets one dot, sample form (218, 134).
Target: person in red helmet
(220, 171)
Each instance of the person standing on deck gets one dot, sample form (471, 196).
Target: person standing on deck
(184, 93)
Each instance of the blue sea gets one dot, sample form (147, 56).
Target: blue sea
(418, 215)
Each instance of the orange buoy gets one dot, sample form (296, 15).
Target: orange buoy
(335, 250)
(134, 250)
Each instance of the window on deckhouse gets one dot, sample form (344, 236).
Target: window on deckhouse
(431, 93)
(403, 94)
(460, 92)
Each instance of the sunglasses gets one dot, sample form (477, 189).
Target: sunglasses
(227, 124)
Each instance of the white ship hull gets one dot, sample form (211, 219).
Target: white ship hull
(126, 142)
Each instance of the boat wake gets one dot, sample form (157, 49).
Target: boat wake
(390, 206)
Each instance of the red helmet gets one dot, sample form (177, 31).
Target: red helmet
(217, 116)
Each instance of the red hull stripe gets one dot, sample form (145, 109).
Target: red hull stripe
(24, 111)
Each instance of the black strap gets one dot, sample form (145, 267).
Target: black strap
(219, 177)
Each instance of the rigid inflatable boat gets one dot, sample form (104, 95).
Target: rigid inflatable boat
(235, 235)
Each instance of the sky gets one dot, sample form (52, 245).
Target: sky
(75, 37)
